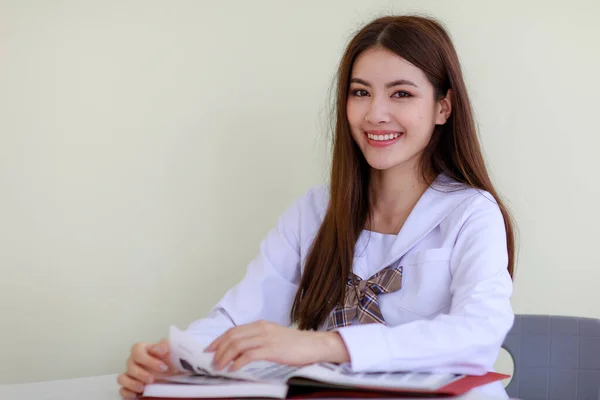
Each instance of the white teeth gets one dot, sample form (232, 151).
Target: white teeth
(383, 137)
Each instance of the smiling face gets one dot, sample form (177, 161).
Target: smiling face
(392, 109)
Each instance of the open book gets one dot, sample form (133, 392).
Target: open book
(270, 380)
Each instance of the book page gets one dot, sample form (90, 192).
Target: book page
(268, 371)
(343, 375)
(202, 386)
(190, 358)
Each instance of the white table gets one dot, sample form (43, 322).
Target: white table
(102, 387)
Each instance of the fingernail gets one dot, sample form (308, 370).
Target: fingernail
(140, 388)
(158, 349)
(163, 368)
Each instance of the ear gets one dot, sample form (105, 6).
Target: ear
(444, 109)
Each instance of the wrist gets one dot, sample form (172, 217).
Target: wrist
(334, 348)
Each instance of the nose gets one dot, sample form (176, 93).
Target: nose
(378, 112)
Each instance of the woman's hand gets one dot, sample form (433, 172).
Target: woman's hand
(146, 363)
(266, 341)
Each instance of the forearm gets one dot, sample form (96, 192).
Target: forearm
(333, 347)
(466, 340)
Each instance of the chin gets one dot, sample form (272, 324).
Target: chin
(388, 163)
(382, 165)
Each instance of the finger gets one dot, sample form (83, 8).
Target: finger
(236, 349)
(141, 357)
(136, 371)
(127, 394)
(236, 332)
(160, 349)
(248, 357)
(130, 384)
(213, 346)
(239, 332)
(230, 340)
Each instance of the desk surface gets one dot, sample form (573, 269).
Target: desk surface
(102, 387)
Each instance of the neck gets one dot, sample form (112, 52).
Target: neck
(393, 194)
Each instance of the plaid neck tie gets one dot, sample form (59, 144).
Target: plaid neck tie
(361, 298)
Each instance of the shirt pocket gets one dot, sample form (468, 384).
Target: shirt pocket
(426, 280)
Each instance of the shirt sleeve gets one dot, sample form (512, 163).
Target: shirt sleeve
(268, 288)
(468, 338)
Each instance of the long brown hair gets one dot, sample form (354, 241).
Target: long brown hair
(454, 149)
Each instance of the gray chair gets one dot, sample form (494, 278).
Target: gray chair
(555, 358)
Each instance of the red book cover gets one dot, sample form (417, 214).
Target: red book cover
(456, 388)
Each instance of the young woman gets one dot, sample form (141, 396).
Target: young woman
(404, 261)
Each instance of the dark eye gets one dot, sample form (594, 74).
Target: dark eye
(360, 93)
(401, 93)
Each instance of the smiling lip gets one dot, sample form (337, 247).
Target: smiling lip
(382, 138)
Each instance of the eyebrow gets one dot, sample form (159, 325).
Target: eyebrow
(387, 85)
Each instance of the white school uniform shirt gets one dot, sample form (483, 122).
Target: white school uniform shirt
(452, 312)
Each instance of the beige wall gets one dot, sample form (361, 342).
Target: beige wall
(147, 146)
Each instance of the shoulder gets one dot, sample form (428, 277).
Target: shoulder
(465, 201)
(307, 211)
(472, 219)
(475, 228)
(315, 200)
